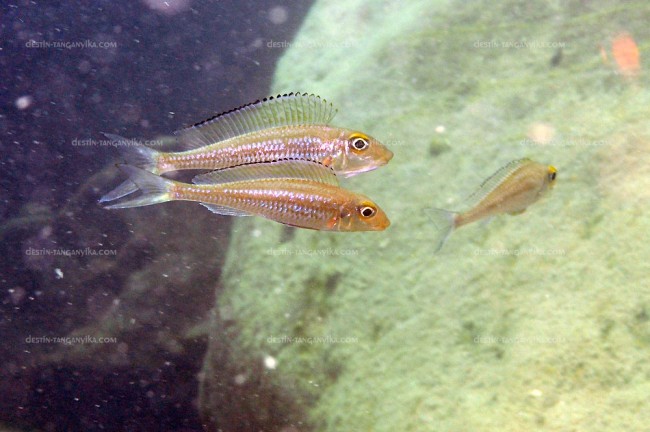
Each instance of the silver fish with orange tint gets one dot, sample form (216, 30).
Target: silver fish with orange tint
(291, 126)
(511, 190)
(303, 194)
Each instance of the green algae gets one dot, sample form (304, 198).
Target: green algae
(537, 321)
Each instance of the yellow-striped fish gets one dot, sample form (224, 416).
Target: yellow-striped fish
(510, 190)
(290, 126)
(299, 193)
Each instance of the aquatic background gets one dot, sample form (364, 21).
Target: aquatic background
(532, 322)
(140, 69)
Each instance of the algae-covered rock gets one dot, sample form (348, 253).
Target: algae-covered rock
(538, 321)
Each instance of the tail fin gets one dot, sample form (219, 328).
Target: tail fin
(127, 187)
(155, 189)
(444, 223)
(136, 154)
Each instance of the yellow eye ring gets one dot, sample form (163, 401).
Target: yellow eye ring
(359, 142)
(367, 211)
(552, 172)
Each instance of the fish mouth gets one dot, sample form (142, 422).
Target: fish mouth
(378, 163)
(363, 169)
(383, 225)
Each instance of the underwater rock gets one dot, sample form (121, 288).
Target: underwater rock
(533, 322)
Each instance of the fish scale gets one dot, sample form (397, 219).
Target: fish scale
(304, 202)
(294, 143)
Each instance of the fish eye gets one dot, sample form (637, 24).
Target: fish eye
(367, 211)
(552, 173)
(359, 142)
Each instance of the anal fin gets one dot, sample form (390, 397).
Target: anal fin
(226, 211)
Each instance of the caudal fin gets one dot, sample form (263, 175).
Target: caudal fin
(444, 224)
(126, 188)
(136, 154)
(155, 189)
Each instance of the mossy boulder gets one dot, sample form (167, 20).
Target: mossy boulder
(535, 321)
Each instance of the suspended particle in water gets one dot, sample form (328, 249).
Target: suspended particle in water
(24, 102)
(278, 14)
(270, 362)
(168, 7)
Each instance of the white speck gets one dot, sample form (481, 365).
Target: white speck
(24, 102)
(17, 295)
(440, 129)
(278, 15)
(168, 7)
(256, 233)
(240, 379)
(257, 43)
(535, 393)
(58, 273)
(270, 362)
(84, 66)
(46, 231)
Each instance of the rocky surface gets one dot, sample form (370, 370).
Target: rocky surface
(538, 321)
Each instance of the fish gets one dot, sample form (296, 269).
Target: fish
(512, 189)
(626, 55)
(289, 126)
(298, 193)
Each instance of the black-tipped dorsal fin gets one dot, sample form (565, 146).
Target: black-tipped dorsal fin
(284, 110)
(495, 180)
(285, 169)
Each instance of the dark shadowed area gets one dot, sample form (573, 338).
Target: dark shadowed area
(144, 282)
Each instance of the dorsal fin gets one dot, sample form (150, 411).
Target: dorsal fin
(283, 110)
(284, 169)
(494, 181)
